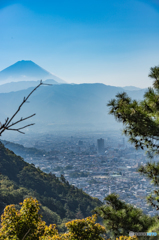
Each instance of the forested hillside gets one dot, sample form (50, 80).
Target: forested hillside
(60, 200)
(22, 151)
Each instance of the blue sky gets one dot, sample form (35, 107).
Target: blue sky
(111, 42)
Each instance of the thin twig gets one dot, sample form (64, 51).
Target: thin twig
(7, 125)
(22, 119)
(26, 234)
(24, 100)
(14, 129)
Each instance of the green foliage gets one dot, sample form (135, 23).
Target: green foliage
(141, 119)
(10, 192)
(24, 180)
(141, 125)
(85, 229)
(154, 73)
(119, 217)
(154, 228)
(151, 170)
(27, 224)
(50, 216)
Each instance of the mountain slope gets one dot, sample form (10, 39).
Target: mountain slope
(26, 71)
(131, 88)
(66, 106)
(54, 193)
(17, 86)
(22, 151)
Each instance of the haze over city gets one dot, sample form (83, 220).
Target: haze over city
(79, 120)
(110, 42)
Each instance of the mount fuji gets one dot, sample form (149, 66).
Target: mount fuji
(26, 71)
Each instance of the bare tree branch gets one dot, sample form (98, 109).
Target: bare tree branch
(7, 125)
(15, 129)
(22, 119)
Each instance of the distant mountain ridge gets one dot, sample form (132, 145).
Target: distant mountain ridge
(17, 86)
(131, 88)
(26, 71)
(66, 106)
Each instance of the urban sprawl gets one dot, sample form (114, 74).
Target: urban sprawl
(98, 163)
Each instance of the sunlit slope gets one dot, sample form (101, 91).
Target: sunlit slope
(25, 180)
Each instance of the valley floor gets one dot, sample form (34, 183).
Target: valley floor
(77, 159)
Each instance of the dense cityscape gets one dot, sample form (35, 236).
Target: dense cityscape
(96, 163)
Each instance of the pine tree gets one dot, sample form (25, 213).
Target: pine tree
(141, 126)
(119, 218)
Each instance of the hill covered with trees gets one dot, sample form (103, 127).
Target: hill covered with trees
(60, 200)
